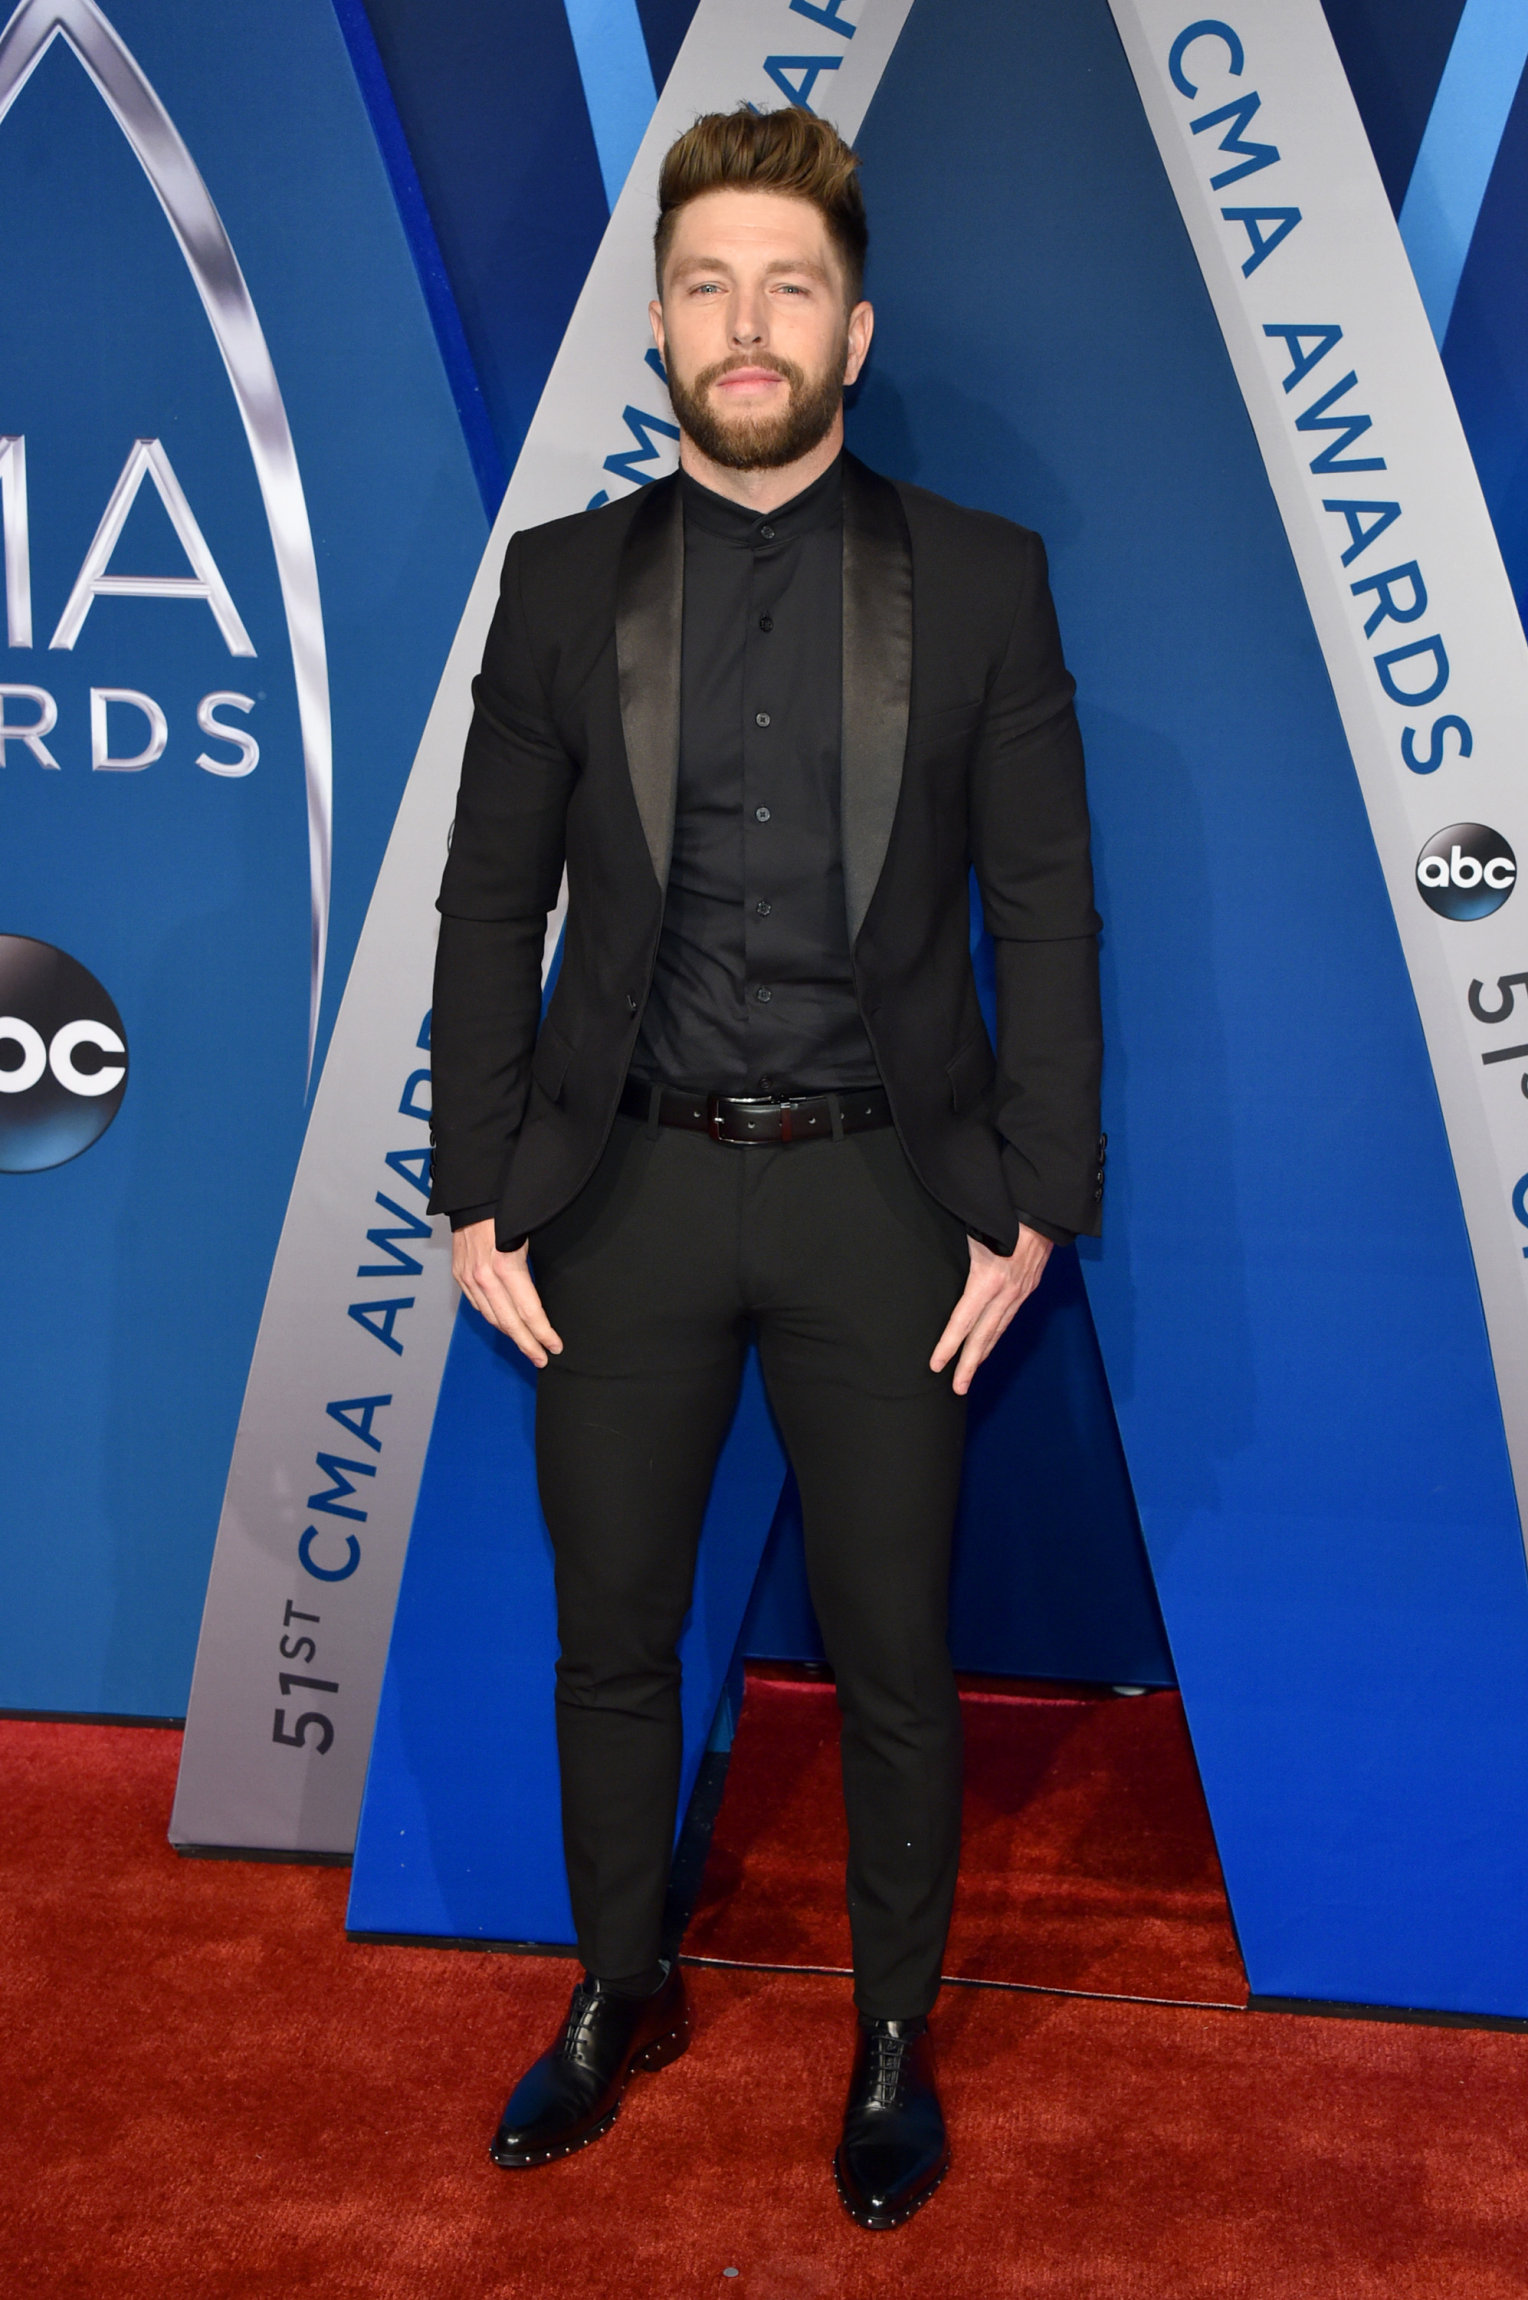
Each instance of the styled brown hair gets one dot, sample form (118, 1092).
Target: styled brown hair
(788, 151)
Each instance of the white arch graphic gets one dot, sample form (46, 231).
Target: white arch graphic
(198, 228)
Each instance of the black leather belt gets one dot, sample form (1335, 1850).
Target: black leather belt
(747, 1120)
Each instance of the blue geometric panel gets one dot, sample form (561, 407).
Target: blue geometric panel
(1285, 1298)
(1486, 349)
(492, 110)
(1394, 52)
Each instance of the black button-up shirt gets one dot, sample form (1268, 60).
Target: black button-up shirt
(753, 990)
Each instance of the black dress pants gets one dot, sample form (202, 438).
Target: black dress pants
(836, 1258)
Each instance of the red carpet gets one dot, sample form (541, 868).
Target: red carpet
(1087, 1864)
(208, 2094)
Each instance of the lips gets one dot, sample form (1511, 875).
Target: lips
(744, 378)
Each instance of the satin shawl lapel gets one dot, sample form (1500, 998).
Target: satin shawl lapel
(878, 658)
(649, 625)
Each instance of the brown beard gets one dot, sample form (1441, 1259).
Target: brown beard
(758, 442)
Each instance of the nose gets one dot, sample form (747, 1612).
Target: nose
(747, 319)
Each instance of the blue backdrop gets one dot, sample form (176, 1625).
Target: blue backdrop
(134, 1276)
(1285, 1299)
(1285, 1304)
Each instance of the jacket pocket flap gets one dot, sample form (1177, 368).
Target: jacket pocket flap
(970, 1072)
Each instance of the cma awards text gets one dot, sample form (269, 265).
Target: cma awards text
(29, 713)
(154, 731)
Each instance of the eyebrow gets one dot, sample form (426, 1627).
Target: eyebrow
(784, 264)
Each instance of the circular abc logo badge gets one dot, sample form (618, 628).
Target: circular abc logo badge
(63, 1057)
(1466, 871)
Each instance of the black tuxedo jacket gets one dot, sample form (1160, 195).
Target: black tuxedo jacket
(960, 747)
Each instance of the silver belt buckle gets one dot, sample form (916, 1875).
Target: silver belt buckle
(714, 1118)
(744, 1141)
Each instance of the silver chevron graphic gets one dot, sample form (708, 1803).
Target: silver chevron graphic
(198, 228)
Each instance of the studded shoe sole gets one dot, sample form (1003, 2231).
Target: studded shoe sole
(659, 2054)
(879, 2222)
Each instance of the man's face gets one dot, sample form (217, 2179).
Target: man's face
(753, 328)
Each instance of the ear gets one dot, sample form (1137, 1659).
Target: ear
(861, 329)
(655, 321)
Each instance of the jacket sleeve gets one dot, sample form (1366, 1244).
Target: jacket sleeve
(501, 880)
(1029, 817)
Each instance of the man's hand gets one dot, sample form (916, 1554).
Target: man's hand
(998, 1286)
(501, 1289)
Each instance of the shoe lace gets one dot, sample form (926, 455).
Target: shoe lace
(584, 2001)
(886, 2057)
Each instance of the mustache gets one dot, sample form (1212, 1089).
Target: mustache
(784, 368)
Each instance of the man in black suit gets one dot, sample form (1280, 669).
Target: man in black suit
(767, 714)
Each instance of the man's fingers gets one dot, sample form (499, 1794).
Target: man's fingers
(502, 1290)
(525, 1342)
(961, 1318)
(989, 1321)
(983, 1337)
(521, 1292)
(996, 1289)
(980, 1290)
(490, 1297)
(498, 1309)
(977, 1343)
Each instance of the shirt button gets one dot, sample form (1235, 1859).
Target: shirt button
(766, 622)
(761, 909)
(763, 994)
(761, 814)
(761, 718)
(768, 534)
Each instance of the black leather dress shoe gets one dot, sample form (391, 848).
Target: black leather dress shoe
(571, 2095)
(894, 2153)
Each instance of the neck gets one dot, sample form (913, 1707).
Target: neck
(762, 490)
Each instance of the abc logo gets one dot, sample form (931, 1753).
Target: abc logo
(1466, 871)
(63, 1057)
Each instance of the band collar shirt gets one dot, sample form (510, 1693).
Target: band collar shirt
(753, 987)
